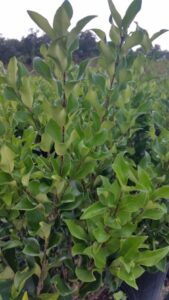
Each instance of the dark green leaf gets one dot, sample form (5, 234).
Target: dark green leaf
(32, 247)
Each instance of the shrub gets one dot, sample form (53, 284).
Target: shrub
(84, 161)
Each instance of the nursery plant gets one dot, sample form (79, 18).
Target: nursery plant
(83, 165)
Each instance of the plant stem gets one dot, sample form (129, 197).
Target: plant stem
(43, 270)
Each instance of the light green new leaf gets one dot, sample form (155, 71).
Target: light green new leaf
(26, 92)
(7, 159)
(12, 71)
(115, 14)
(44, 230)
(131, 12)
(150, 258)
(84, 275)
(76, 230)
(25, 296)
(42, 23)
(93, 210)
(157, 34)
(130, 246)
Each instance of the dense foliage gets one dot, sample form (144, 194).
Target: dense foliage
(83, 165)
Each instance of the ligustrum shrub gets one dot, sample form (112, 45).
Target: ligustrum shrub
(83, 164)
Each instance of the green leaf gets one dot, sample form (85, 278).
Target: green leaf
(115, 35)
(7, 159)
(133, 40)
(25, 296)
(115, 14)
(162, 192)
(62, 18)
(91, 286)
(22, 116)
(77, 29)
(46, 296)
(26, 92)
(10, 94)
(84, 275)
(54, 131)
(130, 246)
(76, 230)
(131, 13)
(144, 179)
(63, 288)
(123, 170)
(4, 178)
(12, 71)
(42, 23)
(119, 296)
(99, 138)
(93, 210)
(7, 273)
(87, 167)
(32, 247)
(11, 244)
(25, 204)
(157, 34)
(19, 281)
(100, 33)
(44, 230)
(150, 258)
(5, 289)
(2, 129)
(42, 68)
